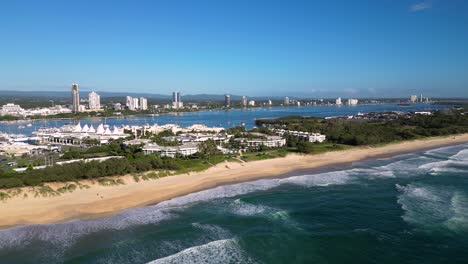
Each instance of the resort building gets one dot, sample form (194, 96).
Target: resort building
(311, 137)
(413, 98)
(75, 135)
(262, 140)
(251, 103)
(18, 149)
(139, 131)
(198, 137)
(12, 109)
(286, 100)
(186, 149)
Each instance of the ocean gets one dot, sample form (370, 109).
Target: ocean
(411, 208)
(220, 118)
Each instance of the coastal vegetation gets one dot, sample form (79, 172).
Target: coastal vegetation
(342, 133)
(357, 132)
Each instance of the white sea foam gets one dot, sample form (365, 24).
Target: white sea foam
(219, 251)
(430, 207)
(239, 207)
(455, 163)
(64, 234)
(323, 179)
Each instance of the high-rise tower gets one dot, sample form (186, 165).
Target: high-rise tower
(75, 98)
(227, 100)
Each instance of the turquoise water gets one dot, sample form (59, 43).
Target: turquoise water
(223, 118)
(408, 209)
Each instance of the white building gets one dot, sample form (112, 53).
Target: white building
(94, 101)
(338, 101)
(244, 101)
(135, 103)
(12, 109)
(413, 98)
(286, 100)
(352, 101)
(270, 103)
(117, 107)
(251, 103)
(177, 100)
(143, 103)
(270, 141)
(184, 150)
(317, 137)
(129, 103)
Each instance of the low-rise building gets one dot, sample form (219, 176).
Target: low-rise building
(311, 137)
(267, 141)
(186, 149)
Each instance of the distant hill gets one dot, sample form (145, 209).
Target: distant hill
(186, 97)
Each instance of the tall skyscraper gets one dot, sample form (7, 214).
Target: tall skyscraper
(244, 101)
(143, 103)
(227, 100)
(129, 103)
(75, 98)
(421, 99)
(94, 101)
(286, 100)
(176, 100)
(135, 103)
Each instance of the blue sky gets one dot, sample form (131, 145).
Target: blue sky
(298, 48)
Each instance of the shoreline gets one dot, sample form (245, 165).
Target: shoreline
(99, 201)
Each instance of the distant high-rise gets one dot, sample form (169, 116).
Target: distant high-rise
(75, 98)
(338, 101)
(352, 101)
(130, 103)
(135, 103)
(421, 99)
(286, 100)
(270, 103)
(244, 101)
(251, 103)
(94, 101)
(176, 100)
(143, 103)
(227, 100)
(413, 98)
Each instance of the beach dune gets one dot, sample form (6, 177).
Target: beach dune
(99, 200)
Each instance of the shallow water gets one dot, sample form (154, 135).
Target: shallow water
(408, 209)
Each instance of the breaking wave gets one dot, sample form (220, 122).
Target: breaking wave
(455, 163)
(429, 207)
(219, 251)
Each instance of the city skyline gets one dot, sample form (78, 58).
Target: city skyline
(302, 48)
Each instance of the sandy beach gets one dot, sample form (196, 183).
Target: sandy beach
(99, 200)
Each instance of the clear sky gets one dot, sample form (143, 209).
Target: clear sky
(262, 47)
